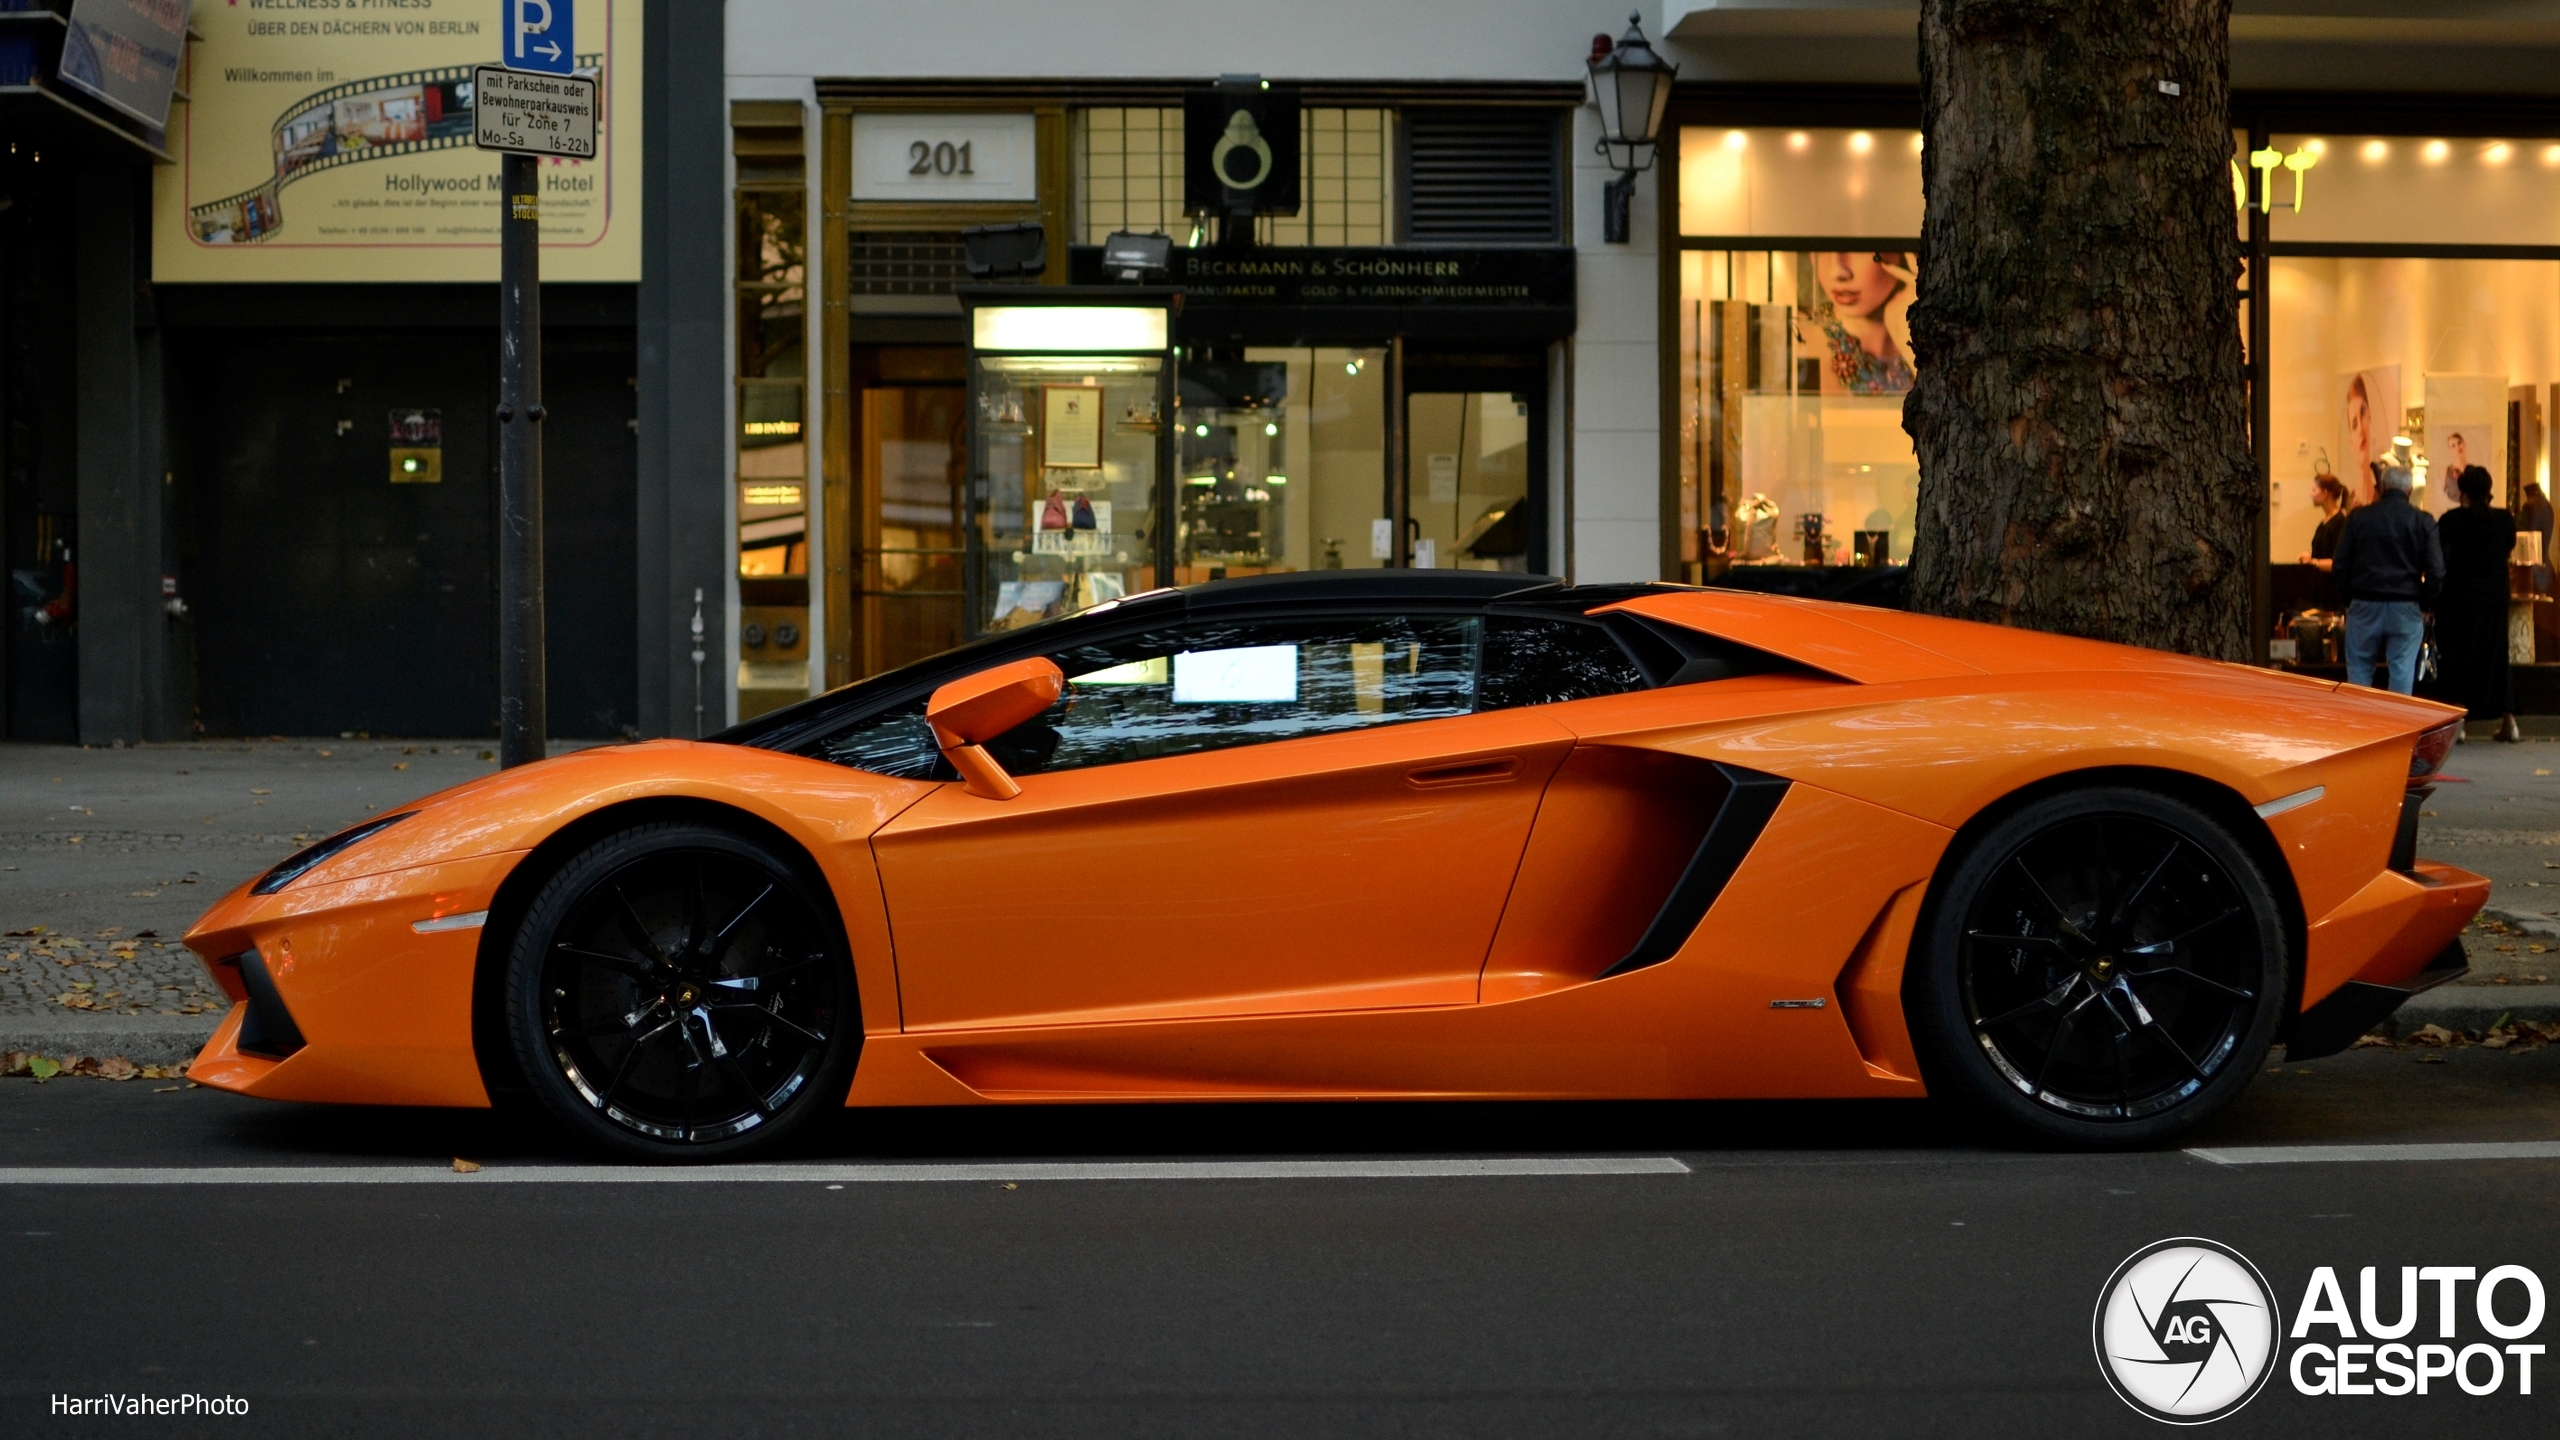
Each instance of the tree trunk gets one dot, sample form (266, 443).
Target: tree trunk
(2080, 409)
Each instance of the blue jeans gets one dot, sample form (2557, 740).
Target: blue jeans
(2388, 633)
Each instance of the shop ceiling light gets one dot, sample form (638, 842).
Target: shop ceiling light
(2551, 154)
(1860, 142)
(1735, 140)
(2376, 151)
(1270, 427)
(2435, 152)
(2498, 153)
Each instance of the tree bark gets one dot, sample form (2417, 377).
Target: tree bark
(2080, 408)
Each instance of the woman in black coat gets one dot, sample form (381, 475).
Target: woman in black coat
(2471, 618)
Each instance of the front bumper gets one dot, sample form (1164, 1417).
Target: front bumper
(2357, 1006)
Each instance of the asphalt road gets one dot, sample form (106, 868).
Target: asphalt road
(1826, 1269)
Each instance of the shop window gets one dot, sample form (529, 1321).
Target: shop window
(1793, 366)
(770, 303)
(1129, 169)
(1280, 464)
(2433, 365)
(1483, 176)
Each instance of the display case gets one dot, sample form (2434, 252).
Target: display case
(1070, 416)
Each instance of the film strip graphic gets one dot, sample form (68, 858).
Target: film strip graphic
(381, 117)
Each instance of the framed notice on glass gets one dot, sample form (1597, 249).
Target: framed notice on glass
(1071, 427)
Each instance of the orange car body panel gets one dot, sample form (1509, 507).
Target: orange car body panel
(1422, 909)
(1350, 871)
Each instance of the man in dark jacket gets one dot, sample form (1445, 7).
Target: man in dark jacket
(2390, 564)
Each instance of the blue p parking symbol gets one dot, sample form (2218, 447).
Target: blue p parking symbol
(540, 35)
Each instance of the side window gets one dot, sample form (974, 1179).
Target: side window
(896, 742)
(1533, 660)
(1217, 685)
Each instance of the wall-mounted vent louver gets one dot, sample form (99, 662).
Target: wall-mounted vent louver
(1483, 176)
(905, 262)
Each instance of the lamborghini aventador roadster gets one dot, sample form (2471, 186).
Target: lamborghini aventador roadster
(1387, 834)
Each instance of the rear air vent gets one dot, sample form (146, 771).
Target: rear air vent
(1482, 177)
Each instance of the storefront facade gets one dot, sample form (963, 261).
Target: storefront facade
(1421, 354)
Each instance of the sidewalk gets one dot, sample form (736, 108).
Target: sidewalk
(2503, 821)
(108, 855)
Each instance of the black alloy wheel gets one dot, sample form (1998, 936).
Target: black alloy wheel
(679, 992)
(2103, 967)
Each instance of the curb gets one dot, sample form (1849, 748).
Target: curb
(2475, 1007)
(143, 1044)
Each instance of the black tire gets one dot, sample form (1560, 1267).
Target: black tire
(2101, 968)
(681, 993)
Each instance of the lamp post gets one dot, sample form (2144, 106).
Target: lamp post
(1632, 86)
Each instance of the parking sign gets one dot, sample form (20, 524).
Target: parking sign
(538, 35)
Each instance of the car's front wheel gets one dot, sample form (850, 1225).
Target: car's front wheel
(678, 992)
(2102, 967)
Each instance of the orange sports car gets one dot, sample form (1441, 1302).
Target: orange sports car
(1387, 834)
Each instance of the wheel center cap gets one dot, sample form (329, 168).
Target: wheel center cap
(2103, 966)
(686, 994)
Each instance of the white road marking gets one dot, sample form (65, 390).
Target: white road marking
(2349, 1154)
(500, 1174)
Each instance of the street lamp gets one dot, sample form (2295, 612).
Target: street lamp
(1632, 86)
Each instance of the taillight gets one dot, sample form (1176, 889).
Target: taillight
(2432, 748)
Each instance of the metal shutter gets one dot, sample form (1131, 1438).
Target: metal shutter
(1488, 176)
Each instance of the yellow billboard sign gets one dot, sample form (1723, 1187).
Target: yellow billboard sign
(331, 140)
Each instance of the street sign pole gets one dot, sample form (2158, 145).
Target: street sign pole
(521, 689)
(533, 105)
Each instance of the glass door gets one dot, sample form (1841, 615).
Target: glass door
(1469, 469)
(909, 550)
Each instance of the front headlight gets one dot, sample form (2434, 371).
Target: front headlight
(302, 860)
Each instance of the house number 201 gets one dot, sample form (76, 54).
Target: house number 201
(946, 158)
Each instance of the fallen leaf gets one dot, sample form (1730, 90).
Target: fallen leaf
(116, 1067)
(262, 792)
(400, 765)
(324, 754)
(465, 1167)
(43, 1069)
(2431, 1060)
(488, 754)
(166, 1089)
(2371, 1042)
(2431, 1035)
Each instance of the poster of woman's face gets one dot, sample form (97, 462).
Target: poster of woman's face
(2368, 409)
(1856, 305)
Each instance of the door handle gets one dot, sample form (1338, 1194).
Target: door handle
(1464, 772)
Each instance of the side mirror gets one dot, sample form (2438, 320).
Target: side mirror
(965, 714)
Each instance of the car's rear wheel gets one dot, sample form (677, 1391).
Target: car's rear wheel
(2103, 967)
(679, 992)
